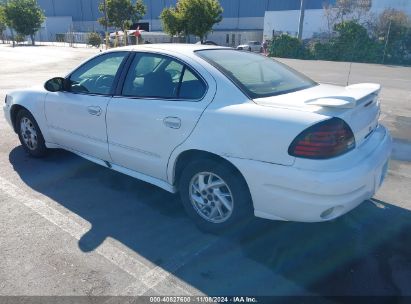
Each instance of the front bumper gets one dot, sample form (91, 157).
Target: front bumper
(6, 111)
(295, 194)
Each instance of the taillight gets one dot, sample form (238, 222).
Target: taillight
(323, 140)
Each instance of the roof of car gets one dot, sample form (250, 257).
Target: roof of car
(177, 47)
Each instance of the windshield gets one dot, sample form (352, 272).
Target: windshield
(258, 76)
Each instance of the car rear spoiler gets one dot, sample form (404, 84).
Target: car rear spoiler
(350, 97)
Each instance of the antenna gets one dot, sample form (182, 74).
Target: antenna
(301, 21)
(349, 74)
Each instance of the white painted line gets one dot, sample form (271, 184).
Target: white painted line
(116, 256)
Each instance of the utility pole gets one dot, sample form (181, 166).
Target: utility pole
(105, 23)
(386, 42)
(301, 23)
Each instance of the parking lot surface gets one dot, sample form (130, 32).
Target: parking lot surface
(71, 227)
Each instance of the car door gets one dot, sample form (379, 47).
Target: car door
(161, 100)
(76, 116)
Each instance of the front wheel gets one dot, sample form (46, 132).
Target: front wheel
(214, 195)
(30, 135)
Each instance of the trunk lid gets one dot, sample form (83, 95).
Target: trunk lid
(357, 104)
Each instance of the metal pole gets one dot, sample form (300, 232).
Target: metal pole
(386, 42)
(150, 28)
(301, 23)
(105, 21)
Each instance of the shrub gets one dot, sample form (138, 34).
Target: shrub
(354, 44)
(20, 38)
(324, 51)
(288, 47)
(351, 43)
(94, 39)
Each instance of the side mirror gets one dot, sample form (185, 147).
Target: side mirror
(55, 84)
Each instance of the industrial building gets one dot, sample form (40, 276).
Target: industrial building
(243, 20)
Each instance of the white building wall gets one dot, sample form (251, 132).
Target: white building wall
(287, 21)
(88, 26)
(315, 21)
(53, 26)
(234, 38)
(403, 5)
(243, 23)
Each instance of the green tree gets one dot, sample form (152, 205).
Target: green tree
(3, 24)
(352, 43)
(24, 16)
(122, 13)
(344, 10)
(172, 22)
(195, 17)
(393, 29)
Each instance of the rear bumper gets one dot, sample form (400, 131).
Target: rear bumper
(295, 194)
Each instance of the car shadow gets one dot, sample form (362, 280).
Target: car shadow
(366, 252)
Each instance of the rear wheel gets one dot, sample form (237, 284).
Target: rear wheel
(214, 195)
(30, 135)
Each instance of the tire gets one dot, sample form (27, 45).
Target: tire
(234, 194)
(30, 134)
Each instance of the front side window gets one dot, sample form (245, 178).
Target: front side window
(97, 75)
(258, 76)
(158, 76)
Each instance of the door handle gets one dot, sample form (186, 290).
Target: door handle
(172, 122)
(94, 110)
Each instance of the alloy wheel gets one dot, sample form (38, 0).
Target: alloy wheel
(211, 197)
(28, 133)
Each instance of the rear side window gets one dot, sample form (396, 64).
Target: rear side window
(161, 77)
(257, 76)
(191, 87)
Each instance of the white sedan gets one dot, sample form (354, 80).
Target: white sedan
(235, 133)
(251, 46)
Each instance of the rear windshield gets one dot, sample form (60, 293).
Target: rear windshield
(258, 76)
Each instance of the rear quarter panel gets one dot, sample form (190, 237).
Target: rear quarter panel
(235, 127)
